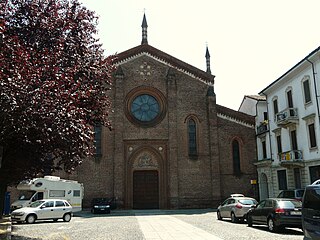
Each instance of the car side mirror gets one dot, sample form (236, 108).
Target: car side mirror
(43, 206)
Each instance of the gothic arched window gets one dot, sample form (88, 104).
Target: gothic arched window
(192, 137)
(236, 157)
(97, 138)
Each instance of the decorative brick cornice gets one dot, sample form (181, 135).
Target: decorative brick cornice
(235, 116)
(166, 59)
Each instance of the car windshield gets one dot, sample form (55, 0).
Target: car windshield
(248, 201)
(100, 201)
(290, 204)
(26, 195)
(36, 204)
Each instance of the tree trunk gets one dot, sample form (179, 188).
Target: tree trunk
(3, 189)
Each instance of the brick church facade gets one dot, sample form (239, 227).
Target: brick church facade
(171, 145)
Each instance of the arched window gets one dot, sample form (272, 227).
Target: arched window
(236, 157)
(192, 136)
(97, 139)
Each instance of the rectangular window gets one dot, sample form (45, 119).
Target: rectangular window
(279, 145)
(97, 138)
(312, 135)
(264, 149)
(294, 143)
(306, 89)
(275, 106)
(297, 178)
(289, 97)
(282, 179)
(57, 193)
(265, 116)
(76, 193)
(314, 173)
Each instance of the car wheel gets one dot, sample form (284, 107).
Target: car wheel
(249, 220)
(271, 225)
(234, 219)
(219, 215)
(67, 217)
(31, 218)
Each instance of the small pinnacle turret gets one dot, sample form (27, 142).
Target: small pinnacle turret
(144, 30)
(208, 60)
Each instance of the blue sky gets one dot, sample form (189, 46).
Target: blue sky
(251, 42)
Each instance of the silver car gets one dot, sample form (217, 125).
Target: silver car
(235, 207)
(43, 209)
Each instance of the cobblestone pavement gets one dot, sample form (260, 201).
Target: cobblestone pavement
(130, 225)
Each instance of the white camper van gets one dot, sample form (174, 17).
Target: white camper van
(49, 187)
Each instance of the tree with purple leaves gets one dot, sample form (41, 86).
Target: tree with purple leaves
(54, 86)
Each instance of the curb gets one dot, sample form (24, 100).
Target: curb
(5, 228)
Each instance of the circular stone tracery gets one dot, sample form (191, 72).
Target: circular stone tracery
(145, 106)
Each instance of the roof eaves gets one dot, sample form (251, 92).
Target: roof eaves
(291, 69)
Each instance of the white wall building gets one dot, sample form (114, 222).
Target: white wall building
(287, 127)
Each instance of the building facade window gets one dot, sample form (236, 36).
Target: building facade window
(275, 106)
(306, 91)
(312, 135)
(145, 106)
(97, 139)
(297, 177)
(282, 179)
(289, 99)
(294, 143)
(236, 157)
(192, 137)
(264, 149)
(314, 173)
(279, 145)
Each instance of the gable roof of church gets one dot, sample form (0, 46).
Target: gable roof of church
(235, 115)
(146, 49)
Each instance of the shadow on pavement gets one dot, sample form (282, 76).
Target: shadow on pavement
(153, 212)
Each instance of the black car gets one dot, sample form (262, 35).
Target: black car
(100, 205)
(311, 212)
(276, 213)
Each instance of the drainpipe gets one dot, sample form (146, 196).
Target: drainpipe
(315, 88)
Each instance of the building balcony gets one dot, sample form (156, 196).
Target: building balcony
(291, 158)
(262, 128)
(287, 116)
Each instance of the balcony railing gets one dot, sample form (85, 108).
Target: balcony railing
(262, 128)
(291, 158)
(287, 116)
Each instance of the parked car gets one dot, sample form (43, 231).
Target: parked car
(311, 212)
(100, 205)
(276, 213)
(43, 209)
(292, 193)
(235, 207)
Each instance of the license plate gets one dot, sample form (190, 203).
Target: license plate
(295, 213)
(102, 209)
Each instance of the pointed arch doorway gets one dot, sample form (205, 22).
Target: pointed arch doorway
(146, 180)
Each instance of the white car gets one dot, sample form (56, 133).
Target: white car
(43, 209)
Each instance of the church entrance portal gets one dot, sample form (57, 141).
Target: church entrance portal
(145, 189)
